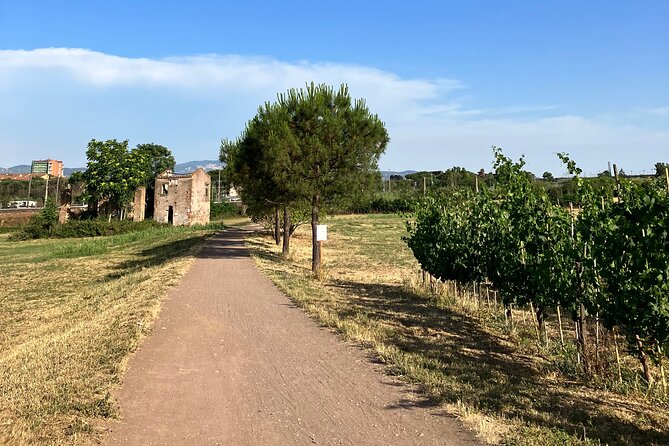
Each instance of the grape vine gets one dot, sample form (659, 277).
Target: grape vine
(605, 255)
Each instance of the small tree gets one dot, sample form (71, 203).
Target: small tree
(336, 144)
(259, 164)
(41, 225)
(547, 176)
(113, 173)
(313, 146)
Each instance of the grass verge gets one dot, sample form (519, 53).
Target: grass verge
(497, 385)
(71, 312)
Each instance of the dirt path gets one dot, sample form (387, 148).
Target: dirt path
(233, 362)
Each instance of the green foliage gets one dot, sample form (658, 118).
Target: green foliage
(113, 173)
(313, 146)
(628, 251)
(512, 236)
(100, 227)
(222, 210)
(382, 203)
(45, 225)
(11, 190)
(157, 160)
(611, 258)
(337, 142)
(41, 225)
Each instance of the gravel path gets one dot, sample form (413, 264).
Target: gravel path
(233, 362)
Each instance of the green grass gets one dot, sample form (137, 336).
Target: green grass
(71, 312)
(497, 381)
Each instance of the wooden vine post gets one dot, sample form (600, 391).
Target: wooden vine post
(615, 344)
(644, 361)
(664, 380)
(535, 323)
(560, 325)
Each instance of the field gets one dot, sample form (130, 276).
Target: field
(497, 382)
(72, 310)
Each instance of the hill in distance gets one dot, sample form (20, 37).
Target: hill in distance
(190, 166)
(22, 168)
(385, 174)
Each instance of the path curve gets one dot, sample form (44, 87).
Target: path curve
(232, 361)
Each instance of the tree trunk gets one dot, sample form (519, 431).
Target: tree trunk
(277, 230)
(643, 358)
(286, 231)
(315, 247)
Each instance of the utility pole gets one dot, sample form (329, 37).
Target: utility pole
(30, 182)
(46, 189)
(58, 190)
(219, 186)
(424, 185)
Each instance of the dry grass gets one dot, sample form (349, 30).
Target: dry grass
(495, 381)
(72, 310)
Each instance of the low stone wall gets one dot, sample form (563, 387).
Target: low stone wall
(16, 217)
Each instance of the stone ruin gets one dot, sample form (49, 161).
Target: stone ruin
(182, 199)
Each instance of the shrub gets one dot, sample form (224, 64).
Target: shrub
(44, 226)
(222, 210)
(100, 227)
(41, 225)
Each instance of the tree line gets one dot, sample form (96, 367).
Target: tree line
(312, 149)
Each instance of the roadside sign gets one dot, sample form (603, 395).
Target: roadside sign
(321, 233)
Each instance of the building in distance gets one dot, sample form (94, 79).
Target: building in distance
(182, 199)
(48, 166)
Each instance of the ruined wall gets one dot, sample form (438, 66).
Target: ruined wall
(182, 198)
(16, 217)
(139, 204)
(200, 198)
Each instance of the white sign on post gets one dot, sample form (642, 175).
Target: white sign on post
(321, 233)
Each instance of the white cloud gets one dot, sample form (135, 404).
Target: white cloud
(663, 111)
(431, 127)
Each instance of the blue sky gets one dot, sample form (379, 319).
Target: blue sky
(450, 79)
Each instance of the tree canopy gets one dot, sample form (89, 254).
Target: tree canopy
(114, 172)
(157, 160)
(314, 145)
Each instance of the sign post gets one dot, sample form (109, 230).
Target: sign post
(321, 236)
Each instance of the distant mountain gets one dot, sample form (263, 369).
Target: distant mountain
(385, 174)
(23, 168)
(192, 166)
(67, 171)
